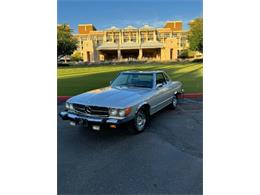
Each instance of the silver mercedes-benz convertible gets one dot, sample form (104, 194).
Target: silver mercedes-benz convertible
(130, 99)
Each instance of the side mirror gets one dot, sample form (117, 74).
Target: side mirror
(159, 85)
(110, 82)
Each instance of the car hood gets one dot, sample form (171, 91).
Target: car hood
(116, 97)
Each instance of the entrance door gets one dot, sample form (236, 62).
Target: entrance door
(88, 56)
(171, 54)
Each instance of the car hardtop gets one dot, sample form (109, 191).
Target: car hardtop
(143, 72)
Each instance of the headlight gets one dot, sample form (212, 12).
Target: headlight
(121, 113)
(68, 106)
(113, 112)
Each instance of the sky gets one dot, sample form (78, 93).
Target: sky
(106, 13)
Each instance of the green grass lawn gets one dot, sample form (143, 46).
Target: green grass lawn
(79, 79)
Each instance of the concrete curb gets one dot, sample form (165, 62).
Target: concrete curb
(185, 95)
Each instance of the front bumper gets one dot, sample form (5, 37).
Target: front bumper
(80, 119)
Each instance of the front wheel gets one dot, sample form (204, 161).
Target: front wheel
(140, 122)
(174, 102)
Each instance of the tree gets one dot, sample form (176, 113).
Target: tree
(66, 42)
(195, 35)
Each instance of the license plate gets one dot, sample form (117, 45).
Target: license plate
(96, 127)
(72, 123)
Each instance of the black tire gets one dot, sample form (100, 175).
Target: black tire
(174, 102)
(140, 122)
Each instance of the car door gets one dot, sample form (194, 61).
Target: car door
(169, 86)
(161, 95)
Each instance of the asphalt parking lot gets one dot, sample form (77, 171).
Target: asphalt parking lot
(165, 159)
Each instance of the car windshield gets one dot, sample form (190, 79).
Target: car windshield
(134, 80)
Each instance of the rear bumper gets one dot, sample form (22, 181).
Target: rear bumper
(79, 119)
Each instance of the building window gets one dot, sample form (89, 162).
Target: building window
(160, 37)
(166, 35)
(109, 39)
(100, 39)
(150, 36)
(142, 37)
(133, 37)
(183, 42)
(116, 38)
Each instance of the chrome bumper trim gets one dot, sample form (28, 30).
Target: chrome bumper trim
(75, 117)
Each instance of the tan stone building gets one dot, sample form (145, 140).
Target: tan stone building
(131, 43)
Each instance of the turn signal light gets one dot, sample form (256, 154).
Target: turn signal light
(127, 111)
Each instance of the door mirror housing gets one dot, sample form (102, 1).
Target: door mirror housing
(159, 85)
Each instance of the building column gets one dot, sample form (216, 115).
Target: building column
(105, 37)
(129, 37)
(140, 54)
(139, 36)
(113, 34)
(119, 56)
(122, 37)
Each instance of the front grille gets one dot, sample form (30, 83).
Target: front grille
(91, 110)
(79, 108)
(95, 110)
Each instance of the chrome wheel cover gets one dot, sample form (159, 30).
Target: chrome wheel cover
(140, 121)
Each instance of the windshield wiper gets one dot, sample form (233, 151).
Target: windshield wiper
(144, 86)
(121, 85)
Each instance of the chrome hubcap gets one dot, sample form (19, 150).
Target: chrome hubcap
(140, 121)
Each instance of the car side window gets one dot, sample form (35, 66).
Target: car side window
(166, 77)
(160, 79)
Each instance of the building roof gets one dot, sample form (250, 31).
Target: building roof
(130, 28)
(94, 28)
(146, 26)
(112, 28)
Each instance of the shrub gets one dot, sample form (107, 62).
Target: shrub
(183, 54)
(76, 56)
(197, 60)
(60, 64)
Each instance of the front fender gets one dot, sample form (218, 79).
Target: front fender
(142, 104)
